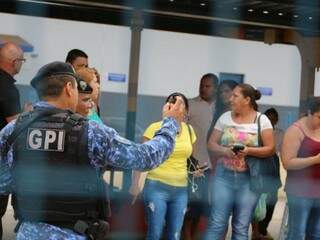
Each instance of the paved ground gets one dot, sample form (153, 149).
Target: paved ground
(8, 225)
(274, 227)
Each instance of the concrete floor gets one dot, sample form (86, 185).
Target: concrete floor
(274, 227)
(8, 225)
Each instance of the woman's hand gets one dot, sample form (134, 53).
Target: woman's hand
(198, 173)
(228, 152)
(243, 153)
(134, 190)
(137, 184)
(317, 157)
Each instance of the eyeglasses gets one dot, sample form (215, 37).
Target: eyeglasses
(23, 60)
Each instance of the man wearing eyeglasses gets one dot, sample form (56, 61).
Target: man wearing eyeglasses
(11, 60)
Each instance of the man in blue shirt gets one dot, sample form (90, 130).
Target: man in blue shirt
(56, 85)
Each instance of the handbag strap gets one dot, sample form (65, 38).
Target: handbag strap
(190, 137)
(260, 144)
(190, 134)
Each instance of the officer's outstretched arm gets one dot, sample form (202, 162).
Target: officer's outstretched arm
(106, 146)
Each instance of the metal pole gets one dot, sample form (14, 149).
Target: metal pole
(136, 28)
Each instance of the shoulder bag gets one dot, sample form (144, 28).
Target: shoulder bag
(264, 172)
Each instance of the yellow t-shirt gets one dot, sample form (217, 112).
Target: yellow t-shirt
(174, 170)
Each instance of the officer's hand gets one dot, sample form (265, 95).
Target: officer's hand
(175, 110)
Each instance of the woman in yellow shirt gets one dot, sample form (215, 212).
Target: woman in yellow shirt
(165, 193)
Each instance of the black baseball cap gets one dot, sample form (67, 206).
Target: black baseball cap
(53, 69)
(83, 86)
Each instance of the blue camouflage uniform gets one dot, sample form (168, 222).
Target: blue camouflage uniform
(105, 146)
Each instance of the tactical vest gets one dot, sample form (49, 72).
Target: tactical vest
(53, 180)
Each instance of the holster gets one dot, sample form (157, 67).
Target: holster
(94, 230)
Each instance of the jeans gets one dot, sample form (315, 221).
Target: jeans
(164, 204)
(304, 218)
(231, 195)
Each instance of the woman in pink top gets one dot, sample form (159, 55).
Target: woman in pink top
(231, 194)
(300, 155)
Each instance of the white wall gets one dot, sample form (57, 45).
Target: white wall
(176, 61)
(108, 46)
(169, 61)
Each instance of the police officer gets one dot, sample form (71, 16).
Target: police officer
(50, 157)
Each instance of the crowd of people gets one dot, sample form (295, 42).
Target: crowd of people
(191, 165)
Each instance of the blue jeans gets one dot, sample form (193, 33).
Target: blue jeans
(164, 203)
(231, 195)
(304, 218)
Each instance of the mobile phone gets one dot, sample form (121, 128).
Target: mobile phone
(203, 168)
(237, 147)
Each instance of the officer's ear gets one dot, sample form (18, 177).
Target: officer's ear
(70, 88)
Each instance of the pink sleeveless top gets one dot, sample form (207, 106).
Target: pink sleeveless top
(305, 182)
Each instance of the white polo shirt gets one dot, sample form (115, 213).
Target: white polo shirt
(200, 117)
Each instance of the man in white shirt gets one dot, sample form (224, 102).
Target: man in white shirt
(201, 110)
